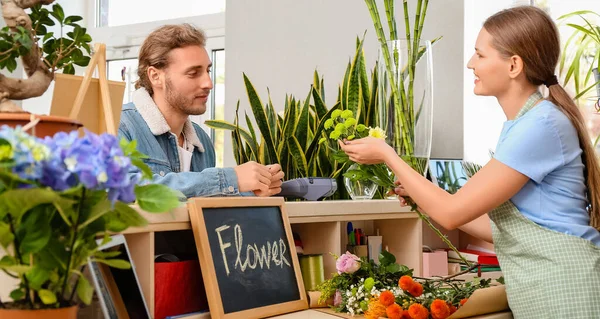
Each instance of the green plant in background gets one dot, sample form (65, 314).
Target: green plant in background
(43, 53)
(581, 52)
(401, 108)
(292, 139)
(447, 177)
(343, 126)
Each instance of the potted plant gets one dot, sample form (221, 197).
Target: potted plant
(291, 138)
(57, 197)
(581, 52)
(42, 52)
(580, 59)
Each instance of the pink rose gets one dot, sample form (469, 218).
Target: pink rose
(337, 299)
(347, 263)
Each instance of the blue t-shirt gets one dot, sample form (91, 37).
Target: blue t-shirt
(543, 145)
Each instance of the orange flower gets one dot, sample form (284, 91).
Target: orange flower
(405, 282)
(417, 311)
(387, 298)
(462, 302)
(452, 309)
(394, 311)
(439, 309)
(416, 290)
(405, 314)
(376, 309)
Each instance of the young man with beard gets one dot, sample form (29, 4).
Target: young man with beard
(174, 83)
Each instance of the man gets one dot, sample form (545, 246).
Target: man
(174, 83)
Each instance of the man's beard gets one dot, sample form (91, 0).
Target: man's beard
(180, 102)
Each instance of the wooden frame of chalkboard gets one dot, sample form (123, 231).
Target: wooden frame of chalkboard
(247, 257)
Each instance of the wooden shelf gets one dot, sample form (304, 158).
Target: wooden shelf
(320, 225)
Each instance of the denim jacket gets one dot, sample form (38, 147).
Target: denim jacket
(142, 121)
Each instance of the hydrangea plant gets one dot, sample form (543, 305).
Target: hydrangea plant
(57, 197)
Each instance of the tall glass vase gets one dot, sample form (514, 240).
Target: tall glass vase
(405, 75)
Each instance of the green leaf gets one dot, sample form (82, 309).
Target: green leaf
(315, 143)
(298, 156)
(340, 156)
(18, 269)
(7, 260)
(115, 263)
(146, 171)
(85, 291)
(6, 236)
(48, 36)
(86, 38)
(17, 294)
(35, 231)
(393, 268)
(353, 91)
(70, 19)
(223, 125)
(82, 61)
(64, 207)
(386, 258)
(18, 201)
(303, 125)
(69, 69)
(261, 119)
(156, 198)
(47, 296)
(123, 217)
(37, 276)
(106, 254)
(319, 105)
(97, 211)
(11, 64)
(58, 13)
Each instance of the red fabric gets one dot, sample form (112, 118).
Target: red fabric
(178, 288)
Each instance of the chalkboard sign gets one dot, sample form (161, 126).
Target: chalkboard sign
(247, 257)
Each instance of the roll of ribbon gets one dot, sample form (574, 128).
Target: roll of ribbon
(312, 271)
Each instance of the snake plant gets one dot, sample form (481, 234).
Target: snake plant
(292, 139)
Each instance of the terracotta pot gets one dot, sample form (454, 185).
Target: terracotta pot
(48, 125)
(59, 313)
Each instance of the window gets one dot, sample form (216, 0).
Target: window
(112, 13)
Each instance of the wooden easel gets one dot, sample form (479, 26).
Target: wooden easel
(99, 98)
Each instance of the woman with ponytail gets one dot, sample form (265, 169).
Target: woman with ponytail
(538, 199)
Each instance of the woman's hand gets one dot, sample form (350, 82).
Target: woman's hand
(368, 150)
(399, 190)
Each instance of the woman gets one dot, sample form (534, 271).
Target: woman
(541, 189)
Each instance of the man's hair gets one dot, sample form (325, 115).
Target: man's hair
(157, 46)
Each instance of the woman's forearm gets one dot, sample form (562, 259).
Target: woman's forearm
(480, 228)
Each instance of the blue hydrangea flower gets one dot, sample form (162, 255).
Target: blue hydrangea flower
(26, 151)
(96, 161)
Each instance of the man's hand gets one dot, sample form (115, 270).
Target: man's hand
(253, 177)
(276, 180)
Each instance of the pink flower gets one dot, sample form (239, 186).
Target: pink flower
(337, 299)
(347, 263)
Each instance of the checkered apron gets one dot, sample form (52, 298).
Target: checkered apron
(548, 274)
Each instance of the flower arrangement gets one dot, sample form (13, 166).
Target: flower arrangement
(359, 279)
(343, 126)
(57, 196)
(389, 290)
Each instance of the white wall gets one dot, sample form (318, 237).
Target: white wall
(279, 43)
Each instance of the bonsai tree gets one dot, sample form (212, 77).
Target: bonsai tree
(43, 52)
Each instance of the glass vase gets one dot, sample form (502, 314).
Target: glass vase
(360, 189)
(405, 108)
